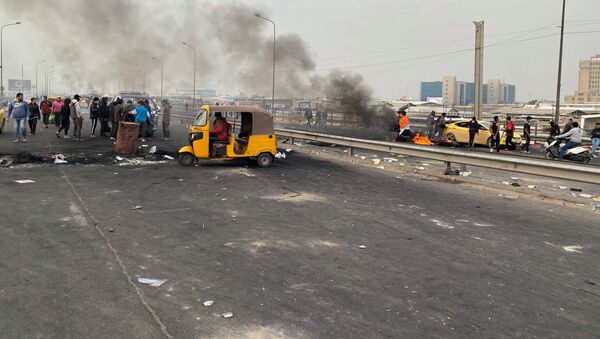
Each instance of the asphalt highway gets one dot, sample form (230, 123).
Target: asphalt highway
(309, 248)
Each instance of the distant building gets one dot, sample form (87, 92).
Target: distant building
(200, 92)
(455, 93)
(431, 89)
(588, 89)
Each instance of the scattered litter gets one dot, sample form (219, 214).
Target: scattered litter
(376, 162)
(297, 144)
(574, 195)
(362, 247)
(169, 157)
(119, 158)
(516, 184)
(110, 229)
(506, 183)
(280, 155)
(563, 187)
(26, 181)
(514, 178)
(363, 157)
(573, 249)
(390, 159)
(574, 189)
(420, 168)
(152, 150)
(380, 167)
(425, 164)
(597, 198)
(60, 161)
(208, 303)
(589, 281)
(135, 208)
(585, 196)
(115, 173)
(7, 161)
(289, 150)
(466, 173)
(151, 281)
(144, 145)
(531, 187)
(227, 315)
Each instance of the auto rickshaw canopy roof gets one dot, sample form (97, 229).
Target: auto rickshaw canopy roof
(262, 120)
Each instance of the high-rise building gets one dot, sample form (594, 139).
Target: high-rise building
(462, 93)
(432, 89)
(588, 90)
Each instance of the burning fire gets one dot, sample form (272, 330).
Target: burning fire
(421, 140)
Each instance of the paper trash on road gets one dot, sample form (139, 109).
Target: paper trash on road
(26, 181)
(280, 155)
(208, 303)
(169, 157)
(119, 158)
(151, 281)
(288, 150)
(376, 162)
(466, 173)
(531, 187)
(362, 247)
(585, 196)
(227, 315)
(60, 161)
(152, 150)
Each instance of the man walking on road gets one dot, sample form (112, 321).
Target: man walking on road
(527, 134)
(34, 116)
(595, 139)
(77, 117)
(431, 125)
(46, 108)
(495, 130)
(473, 131)
(19, 112)
(574, 135)
(166, 118)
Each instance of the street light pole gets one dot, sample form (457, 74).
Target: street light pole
(36, 76)
(162, 73)
(560, 57)
(194, 94)
(2, 58)
(46, 79)
(258, 15)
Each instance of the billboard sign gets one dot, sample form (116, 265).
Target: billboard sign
(19, 85)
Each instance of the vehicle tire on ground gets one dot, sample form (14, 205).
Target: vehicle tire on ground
(489, 142)
(450, 137)
(549, 155)
(264, 160)
(186, 159)
(586, 160)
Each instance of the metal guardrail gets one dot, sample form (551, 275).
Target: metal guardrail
(547, 168)
(519, 164)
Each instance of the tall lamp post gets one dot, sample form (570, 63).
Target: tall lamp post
(258, 15)
(48, 71)
(2, 58)
(36, 76)
(194, 94)
(560, 56)
(162, 73)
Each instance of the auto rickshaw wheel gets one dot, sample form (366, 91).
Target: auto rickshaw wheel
(264, 160)
(186, 159)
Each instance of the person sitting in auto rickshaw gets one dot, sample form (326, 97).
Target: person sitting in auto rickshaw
(219, 133)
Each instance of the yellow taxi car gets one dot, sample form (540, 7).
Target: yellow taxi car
(458, 131)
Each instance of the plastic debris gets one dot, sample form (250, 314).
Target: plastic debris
(227, 315)
(137, 208)
(26, 181)
(420, 168)
(288, 150)
(169, 157)
(60, 161)
(514, 178)
(597, 198)
(563, 187)
(531, 187)
(466, 173)
(376, 162)
(119, 158)
(576, 189)
(280, 155)
(506, 183)
(575, 249)
(380, 167)
(152, 150)
(151, 281)
(363, 157)
(208, 303)
(362, 247)
(585, 196)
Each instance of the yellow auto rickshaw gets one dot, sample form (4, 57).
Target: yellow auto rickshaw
(230, 132)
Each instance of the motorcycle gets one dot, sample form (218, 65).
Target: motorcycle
(580, 154)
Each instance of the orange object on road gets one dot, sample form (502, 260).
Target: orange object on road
(421, 140)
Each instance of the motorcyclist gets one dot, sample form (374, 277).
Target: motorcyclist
(574, 136)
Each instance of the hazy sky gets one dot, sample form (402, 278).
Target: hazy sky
(395, 44)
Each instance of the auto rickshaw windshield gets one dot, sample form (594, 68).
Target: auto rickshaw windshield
(201, 118)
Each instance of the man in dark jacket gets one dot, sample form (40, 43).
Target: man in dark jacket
(595, 139)
(104, 114)
(431, 125)
(527, 134)
(118, 116)
(554, 131)
(34, 115)
(495, 130)
(568, 126)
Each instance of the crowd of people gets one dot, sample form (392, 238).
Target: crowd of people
(67, 115)
(571, 133)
